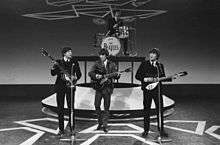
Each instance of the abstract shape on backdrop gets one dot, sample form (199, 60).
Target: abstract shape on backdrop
(28, 141)
(199, 130)
(96, 8)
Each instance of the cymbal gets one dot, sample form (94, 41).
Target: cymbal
(128, 20)
(99, 21)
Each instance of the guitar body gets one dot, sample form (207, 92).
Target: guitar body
(152, 86)
(67, 79)
(106, 80)
(68, 82)
(100, 84)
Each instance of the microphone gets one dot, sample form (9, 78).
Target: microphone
(158, 66)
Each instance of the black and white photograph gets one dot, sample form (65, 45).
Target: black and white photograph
(109, 72)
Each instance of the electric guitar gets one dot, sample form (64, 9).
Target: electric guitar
(64, 74)
(100, 83)
(153, 85)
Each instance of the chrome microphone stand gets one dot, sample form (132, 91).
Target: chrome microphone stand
(159, 138)
(72, 138)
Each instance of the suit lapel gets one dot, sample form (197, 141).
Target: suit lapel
(107, 67)
(102, 67)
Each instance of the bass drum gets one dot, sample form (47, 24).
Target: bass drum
(112, 44)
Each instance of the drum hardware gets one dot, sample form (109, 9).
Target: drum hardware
(122, 32)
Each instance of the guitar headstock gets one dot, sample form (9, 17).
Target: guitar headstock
(44, 52)
(182, 73)
(128, 69)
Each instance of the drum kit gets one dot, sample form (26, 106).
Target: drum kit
(112, 43)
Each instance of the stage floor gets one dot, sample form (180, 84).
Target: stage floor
(195, 121)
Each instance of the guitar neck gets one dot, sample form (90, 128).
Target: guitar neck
(170, 77)
(164, 78)
(112, 74)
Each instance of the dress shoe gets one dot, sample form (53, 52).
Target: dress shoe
(164, 134)
(61, 133)
(144, 134)
(105, 129)
(99, 127)
(126, 54)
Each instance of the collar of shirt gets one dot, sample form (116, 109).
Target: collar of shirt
(153, 63)
(66, 59)
(105, 63)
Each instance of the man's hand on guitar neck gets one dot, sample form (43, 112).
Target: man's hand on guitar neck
(119, 73)
(73, 78)
(98, 76)
(150, 80)
(53, 65)
(174, 77)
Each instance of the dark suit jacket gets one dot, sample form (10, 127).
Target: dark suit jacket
(147, 70)
(60, 83)
(99, 68)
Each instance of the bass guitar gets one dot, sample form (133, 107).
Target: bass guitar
(153, 85)
(101, 83)
(70, 80)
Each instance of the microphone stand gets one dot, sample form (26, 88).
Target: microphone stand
(72, 138)
(159, 138)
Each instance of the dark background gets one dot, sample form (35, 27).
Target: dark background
(187, 35)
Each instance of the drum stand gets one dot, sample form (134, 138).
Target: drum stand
(132, 41)
(72, 138)
(132, 38)
(159, 139)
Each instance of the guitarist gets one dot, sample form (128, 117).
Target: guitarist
(148, 73)
(101, 67)
(61, 86)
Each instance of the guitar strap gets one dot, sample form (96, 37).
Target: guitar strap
(103, 68)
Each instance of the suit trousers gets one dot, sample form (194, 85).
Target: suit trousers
(60, 98)
(148, 97)
(104, 94)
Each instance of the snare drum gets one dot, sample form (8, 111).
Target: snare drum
(122, 32)
(112, 44)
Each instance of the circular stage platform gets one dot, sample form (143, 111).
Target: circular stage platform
(126, 103)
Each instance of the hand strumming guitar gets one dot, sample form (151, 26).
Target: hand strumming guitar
(53, 65)
(98, 76)
(150, 79)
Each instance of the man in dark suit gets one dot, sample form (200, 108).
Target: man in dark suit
(147, 73)
(101, 67)
(62, 85)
